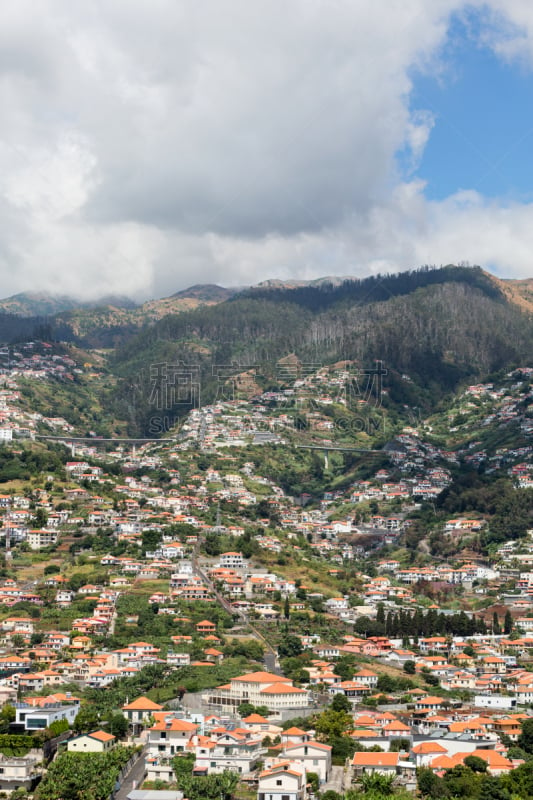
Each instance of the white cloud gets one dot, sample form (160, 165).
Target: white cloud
(147, 147)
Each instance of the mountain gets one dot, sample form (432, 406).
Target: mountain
(440, 326)
(205, 293)
(276, 283)
(104, 322)
(518, 292)
(110, 326)
(40, 304)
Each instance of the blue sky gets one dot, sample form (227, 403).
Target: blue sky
(482, 106)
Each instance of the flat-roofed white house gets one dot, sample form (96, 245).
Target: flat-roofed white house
(37, 719)
(19, 773)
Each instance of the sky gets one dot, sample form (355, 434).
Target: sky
(146, 147)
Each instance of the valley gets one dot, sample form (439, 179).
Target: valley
(289, 526)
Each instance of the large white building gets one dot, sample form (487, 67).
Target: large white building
(42, 538)
(260, 689)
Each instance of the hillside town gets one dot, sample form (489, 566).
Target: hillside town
(294, 641)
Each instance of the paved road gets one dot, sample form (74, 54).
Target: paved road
(133, 779)
(336, 781)
(270, 662)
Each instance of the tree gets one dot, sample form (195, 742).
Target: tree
(519, 782)
(475, 763)
(429, 784)
(517, 752)
(57, 727)
(18, 641)
(508, 623)
(245, 709)
(7, 716)
(314, 781)
(301, 594)
(228, 782)
(345, 667)
(182, 765)
(40, 518)
(286, 608)
(460, 781)
(86, 720)
(151, 540)
(212, 544)
(333, 723)
(118, 725)
(525, 740)
(341, 703)
(83, 776)
(289, 646)
(409, 667)
(385, 683)
(492, 788)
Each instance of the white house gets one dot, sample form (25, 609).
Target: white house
(95, 742)
(282, 781)
(315, 757)
(232, 750)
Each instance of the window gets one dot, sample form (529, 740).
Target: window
(279, 783)
(285, 797)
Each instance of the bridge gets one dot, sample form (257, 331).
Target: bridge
(335, 448)
(96, 440)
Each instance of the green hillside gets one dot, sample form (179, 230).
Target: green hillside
(440, 327)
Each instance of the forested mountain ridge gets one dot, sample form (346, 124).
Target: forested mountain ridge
(441, 326)
(39, 304)
(111, 322)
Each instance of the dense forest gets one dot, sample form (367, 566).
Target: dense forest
(440, 326)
